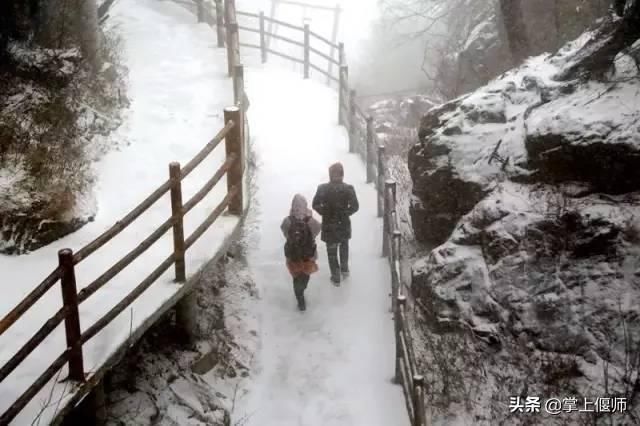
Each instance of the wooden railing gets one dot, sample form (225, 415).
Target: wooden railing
(235, 135)
(364, 141)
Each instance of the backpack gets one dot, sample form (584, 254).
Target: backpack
(300, 243)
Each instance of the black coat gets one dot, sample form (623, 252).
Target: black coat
(335, 202)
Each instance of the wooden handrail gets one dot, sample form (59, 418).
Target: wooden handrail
(129, 299)
(244, 28)
(249, 14)
(327, 41)
(54, 321)
(283, 55)
(199, 158)
(287, 39)
(125, 261)
(211, 218)
(24, 305)
(120, 225)
(32, 343)
(33, 390)
(209, 185)
(323, 55)
(284, 24)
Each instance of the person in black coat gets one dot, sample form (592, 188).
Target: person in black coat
(336, 202)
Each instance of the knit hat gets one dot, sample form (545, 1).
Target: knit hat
(336, 172)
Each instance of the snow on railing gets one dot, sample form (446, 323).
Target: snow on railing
(235, 135)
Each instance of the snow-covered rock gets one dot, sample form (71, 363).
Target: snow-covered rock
(529, 190)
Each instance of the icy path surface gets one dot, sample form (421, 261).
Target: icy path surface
(331, 365)
(178, 87)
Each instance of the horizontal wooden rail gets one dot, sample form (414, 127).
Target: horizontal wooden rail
(125, 261)
(209, 185)
(90, 248)
(253, 30)
(32, 343)
(29, 300)
(284, 24)
(129, 299)
(199, 158)
(327, 41)
(107, 236)
(282, 55)
(33, 390)
(211, 218)
(249, 14)
(287, 39)
(406, 382)
(324, 55)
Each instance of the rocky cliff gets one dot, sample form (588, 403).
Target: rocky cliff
(529, 190)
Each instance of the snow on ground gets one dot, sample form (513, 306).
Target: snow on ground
(333, 364)
(177, 97)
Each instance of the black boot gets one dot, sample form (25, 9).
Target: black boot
(302, 305)
(344, 258)
(299, 286)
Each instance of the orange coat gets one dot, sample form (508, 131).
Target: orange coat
(306, 267)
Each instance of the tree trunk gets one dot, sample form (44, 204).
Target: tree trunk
(515, 29)
(71, 22)
(88, 31)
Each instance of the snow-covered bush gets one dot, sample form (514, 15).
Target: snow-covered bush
(52, 106)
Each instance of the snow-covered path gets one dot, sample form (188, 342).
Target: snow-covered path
(333, 364)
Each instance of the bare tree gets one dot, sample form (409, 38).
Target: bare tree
(515, 29)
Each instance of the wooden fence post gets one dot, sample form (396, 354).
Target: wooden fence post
(233, 145)
(397, 241)
(200, 10)
(232, 34)
(72, 319)
(178, 221)
(306, 51)
(380, 181)
(186, 307)
(238, 84)
(389, 188)
(220, 23)
(352, 121)
(400, 304)
(334, 35)
(239, 95)
(369, 149)
(263, 42)
(419, 412)
(343, 87)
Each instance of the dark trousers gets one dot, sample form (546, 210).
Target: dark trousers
(300, 285)
(333, 249)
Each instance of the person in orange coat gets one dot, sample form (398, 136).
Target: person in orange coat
(300, 229)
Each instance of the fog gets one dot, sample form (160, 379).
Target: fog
(381, 57)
